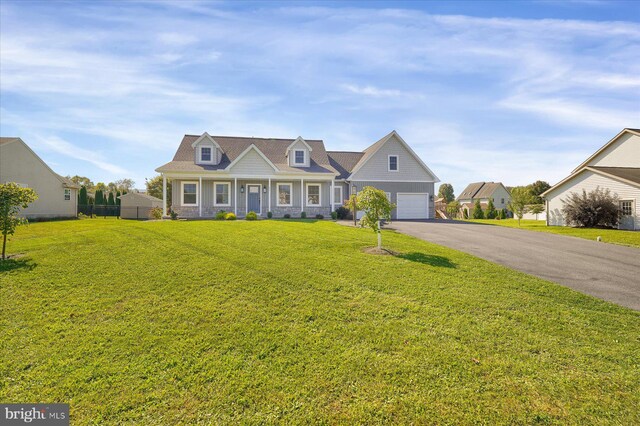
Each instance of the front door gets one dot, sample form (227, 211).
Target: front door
(627, 217)
(253, 198)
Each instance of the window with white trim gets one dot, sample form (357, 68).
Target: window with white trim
(205, 154)
(221, 191)
(298, 156)
(393, 163)
(67, 194)
(337, 195)
(313, 194)
(189, 194)
(284, 194)
(626, 207)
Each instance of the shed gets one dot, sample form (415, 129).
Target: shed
(135, 205)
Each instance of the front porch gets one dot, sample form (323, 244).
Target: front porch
(203, 197)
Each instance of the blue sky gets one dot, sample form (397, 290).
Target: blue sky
(502, 91)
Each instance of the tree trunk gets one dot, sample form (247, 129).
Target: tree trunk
(379, 237)
(4, 245)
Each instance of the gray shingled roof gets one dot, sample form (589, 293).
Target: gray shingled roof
(344, 161)
(629, 173)
(140, 194)
(479, 190)
(232, 146)
(470, 190)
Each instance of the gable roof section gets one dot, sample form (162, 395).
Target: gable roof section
(480, 190)
(470, 191)
(605, 146)
(139, 194)
(628, 175)
(299, 139)
(204, 136)
(371, 150)
(68, 183)
(250, 148)
(232, 147)
(344, 162)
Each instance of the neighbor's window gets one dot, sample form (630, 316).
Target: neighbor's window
(393, 163)
(313, 194)
(189, 194)
(501, 200)
(222, 194)
(626, 206)
(205, 154)
(299, 157)
(284, 194)
(67, 194)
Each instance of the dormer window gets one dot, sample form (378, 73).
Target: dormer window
(299, 156)
(393, 163)
(205, 154)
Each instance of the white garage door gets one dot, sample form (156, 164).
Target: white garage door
(413, 206)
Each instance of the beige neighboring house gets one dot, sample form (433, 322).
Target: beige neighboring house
(136, 205)
(483, 192)
(616, 167)
(57, 195)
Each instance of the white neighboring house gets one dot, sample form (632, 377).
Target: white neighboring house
(57, 195)
(615, 166)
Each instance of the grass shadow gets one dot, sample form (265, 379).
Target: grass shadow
(428, 259)
(19, 263)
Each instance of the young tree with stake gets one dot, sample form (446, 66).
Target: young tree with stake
(13, 198)
(376, 207)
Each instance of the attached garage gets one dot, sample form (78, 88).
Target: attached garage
(413, 206)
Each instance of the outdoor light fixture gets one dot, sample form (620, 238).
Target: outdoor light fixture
(264, 189)
(242, 189)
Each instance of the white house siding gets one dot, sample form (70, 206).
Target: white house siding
(18, 164)
(252, 164)
(404, 187)
(625, 152)
(588, 181)
(376, 168)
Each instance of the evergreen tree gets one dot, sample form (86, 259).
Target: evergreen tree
(82, 196)
(477, 210)
(99, 197)
(111, 201)
(491, 212)
(118, 198)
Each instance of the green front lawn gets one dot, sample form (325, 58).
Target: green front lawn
(290, 322)
(615, 236)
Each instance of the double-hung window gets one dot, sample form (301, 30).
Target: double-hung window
(205, 154)
(221, 193)
(313, 194)
(67, 194)
(189, 194)
(298, 156)
(393, 163)
(284, 194)
(626, 207)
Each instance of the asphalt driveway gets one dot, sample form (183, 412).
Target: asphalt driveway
(603, 270)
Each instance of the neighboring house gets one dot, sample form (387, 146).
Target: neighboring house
(57, 195)
(615, 166)
(136, 205)
(483, 192)
(289, 176)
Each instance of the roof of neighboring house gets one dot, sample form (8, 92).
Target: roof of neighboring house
(140, 194)
(615, 138)
(344, 161)
(628, 173)
(480, 190)
(233, 146)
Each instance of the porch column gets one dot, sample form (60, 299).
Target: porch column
(235, 196)
(200, 196)
(269, 195)
(164, 195)
(333, 194)
(302, 195)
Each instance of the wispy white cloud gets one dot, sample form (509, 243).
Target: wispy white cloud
(95, 158)
(371, 91)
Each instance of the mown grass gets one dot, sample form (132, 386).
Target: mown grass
(614, 236)
(289, 322)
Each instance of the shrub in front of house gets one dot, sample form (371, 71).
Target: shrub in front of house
(173, 215)
(597, 208)
(221, 215)
(303, 215)
(251, 216)
(477, 211)
(319, 217)
(287, 216)
(155, 213)
(334, 215)
(230, 216)
(269, 215)
(342, 212)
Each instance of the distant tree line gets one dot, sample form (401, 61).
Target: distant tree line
(101, 194)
